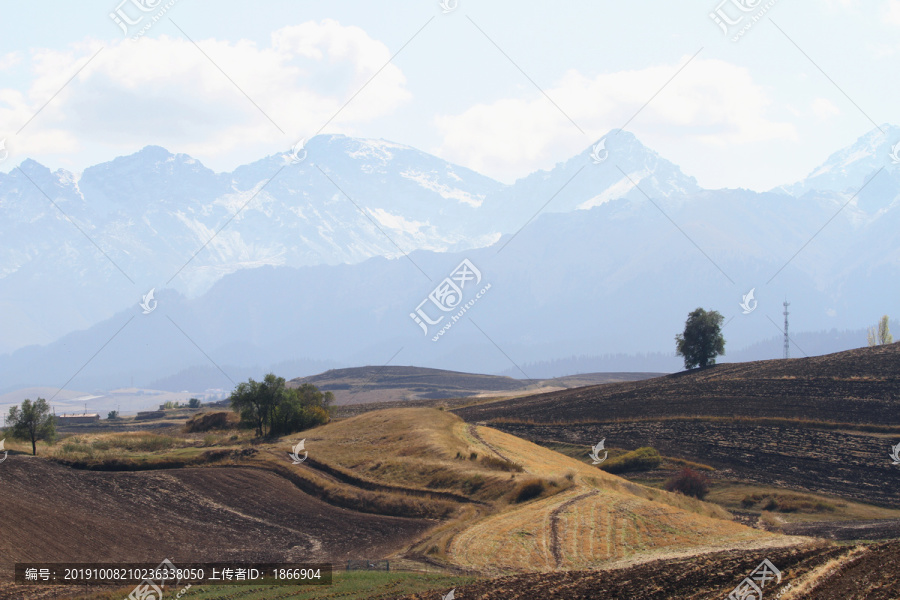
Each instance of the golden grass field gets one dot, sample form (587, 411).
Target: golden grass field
(583, 518)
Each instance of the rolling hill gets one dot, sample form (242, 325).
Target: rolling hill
(359, 385)
(579, 517)
(823, 424)
(472, 498)
(855, 386)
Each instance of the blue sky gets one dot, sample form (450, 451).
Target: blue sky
(502, 87)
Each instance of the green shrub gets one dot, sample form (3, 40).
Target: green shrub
(789, 503)
(642, 459)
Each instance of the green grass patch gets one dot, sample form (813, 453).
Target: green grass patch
(642, 459)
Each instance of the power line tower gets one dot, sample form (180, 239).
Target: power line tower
(787, 342)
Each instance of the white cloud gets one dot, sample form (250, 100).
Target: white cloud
(824, 108)
(165, 91)
(881, 51)
(10, 59)
(891, 12)
(711, 102)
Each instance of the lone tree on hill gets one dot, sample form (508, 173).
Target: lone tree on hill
(702, 339)
(881, 335)
(32, 421)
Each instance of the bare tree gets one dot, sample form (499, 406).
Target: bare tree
(880, 334)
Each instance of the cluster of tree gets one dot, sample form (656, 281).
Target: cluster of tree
(31, 422)
(881, 333)
(192, 403)
(702, 339)
(272, 408)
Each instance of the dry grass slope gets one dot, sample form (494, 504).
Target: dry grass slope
(601, 520)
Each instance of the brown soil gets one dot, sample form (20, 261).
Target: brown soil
(853, 465)
(832, 573)
(814, 424)
(856, 386)
(55, 514)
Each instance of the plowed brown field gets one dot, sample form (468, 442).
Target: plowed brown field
(854, 465)
(857, 386)
(52, 513)
(812, 424)
(809, 573)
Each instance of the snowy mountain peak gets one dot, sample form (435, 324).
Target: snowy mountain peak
(848, 169)
(616, 166)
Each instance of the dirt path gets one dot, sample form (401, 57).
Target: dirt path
(342, 477)
(555, 544)
(473, 431)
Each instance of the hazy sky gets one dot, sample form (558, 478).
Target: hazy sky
(502, 87)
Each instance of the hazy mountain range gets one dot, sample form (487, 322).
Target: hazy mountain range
(319, 263)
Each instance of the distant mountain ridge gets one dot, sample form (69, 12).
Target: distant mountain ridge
(599, 268)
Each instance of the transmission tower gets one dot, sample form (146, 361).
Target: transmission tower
(787, 342)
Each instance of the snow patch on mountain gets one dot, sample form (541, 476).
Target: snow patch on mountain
(617, 190)
(397, 222)
(377, 149)
(430, 182)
